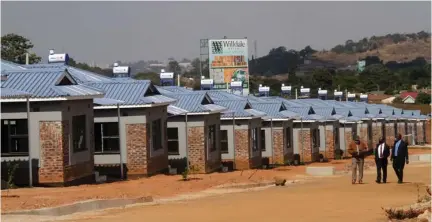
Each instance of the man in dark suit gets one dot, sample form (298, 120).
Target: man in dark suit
(399, 157)
(382, 152)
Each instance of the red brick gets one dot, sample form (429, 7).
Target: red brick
(139, 159)
(390, 133)
(54, 144)
(308, 154)
(199, 158)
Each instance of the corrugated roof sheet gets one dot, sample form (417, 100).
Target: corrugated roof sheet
(11, 93)
(10, 66)
(273, 110)
(132, 93)
(81, 76)
(240, 109)
(45, 83)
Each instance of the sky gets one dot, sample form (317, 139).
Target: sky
(104, 32)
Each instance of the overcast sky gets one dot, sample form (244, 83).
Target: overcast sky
(104, 32)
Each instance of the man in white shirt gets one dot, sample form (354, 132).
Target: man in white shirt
(382, 152)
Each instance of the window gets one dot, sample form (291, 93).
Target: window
(106, 137)
(224, 141)
(263, 141)
(315, 138)
(173, 141)
(14, 137)
(255, 139)
(288, 137)
(156, 134)
(79, 133)
(211, 138)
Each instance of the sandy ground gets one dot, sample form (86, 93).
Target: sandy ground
(156, 186)
(329, 199)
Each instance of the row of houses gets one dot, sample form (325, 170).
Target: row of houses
(64, 124)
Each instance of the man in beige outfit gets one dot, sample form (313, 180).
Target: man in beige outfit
(358, 150)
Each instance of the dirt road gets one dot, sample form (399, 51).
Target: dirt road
(330, 199)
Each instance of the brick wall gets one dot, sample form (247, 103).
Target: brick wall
(278, 146)
(330, 144)
(401, 128)
(54, 148)
(364, 134)
(419, 132)
(348, 140)
(55, 167)
(309, 154)
(376, 133)
(136, 149)
(242, 146)
(428, 131)
(390, 133)
(196, 145)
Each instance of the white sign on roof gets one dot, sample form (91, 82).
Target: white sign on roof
(57, 58)
(236, 84)
(338, 93)
(363, 96)
(286, 88)
(264, 89)
(305, 90)
(206, 81)
(351, 95)
(121, 69)
(166, 75)
(322, 92)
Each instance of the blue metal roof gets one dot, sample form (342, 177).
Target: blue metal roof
(130, 93)
(194, 103)
(10, 66)
(241, 108)
(81, 76)
(46, 83)
(11, 93)
(273, 110)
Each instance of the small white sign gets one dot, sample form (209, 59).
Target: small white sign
(57, 58)
(363, 96)
(322, 92)
(338, 93)
(121, 69)
(305, 90)
(236, 84)
(206, 81)
(167, 75)
(286, 88)
(264, 89)
(351, 95)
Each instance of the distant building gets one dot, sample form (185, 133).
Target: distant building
(409, 97)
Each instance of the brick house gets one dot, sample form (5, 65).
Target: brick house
(141, 137)
(241, 135)
(193, 130)
(58, 133)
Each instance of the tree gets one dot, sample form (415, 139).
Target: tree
(397, 100)
(14, 48)
(322, 78)
(152, 76)
(423, 98)
(174, 67)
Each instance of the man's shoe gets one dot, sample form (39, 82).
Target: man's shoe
(353, 182)
(384, 181)
(399, 181)
(360, 181)
(377, 181)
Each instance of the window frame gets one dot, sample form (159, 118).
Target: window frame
(102, 137)
(255, 139)
(156, 144)
(211, 138)
(288, 138)
(77, 119)
(224, 140)
(173, 140)
(10, 137)
(263, 140)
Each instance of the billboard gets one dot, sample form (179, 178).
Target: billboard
(228, 59)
